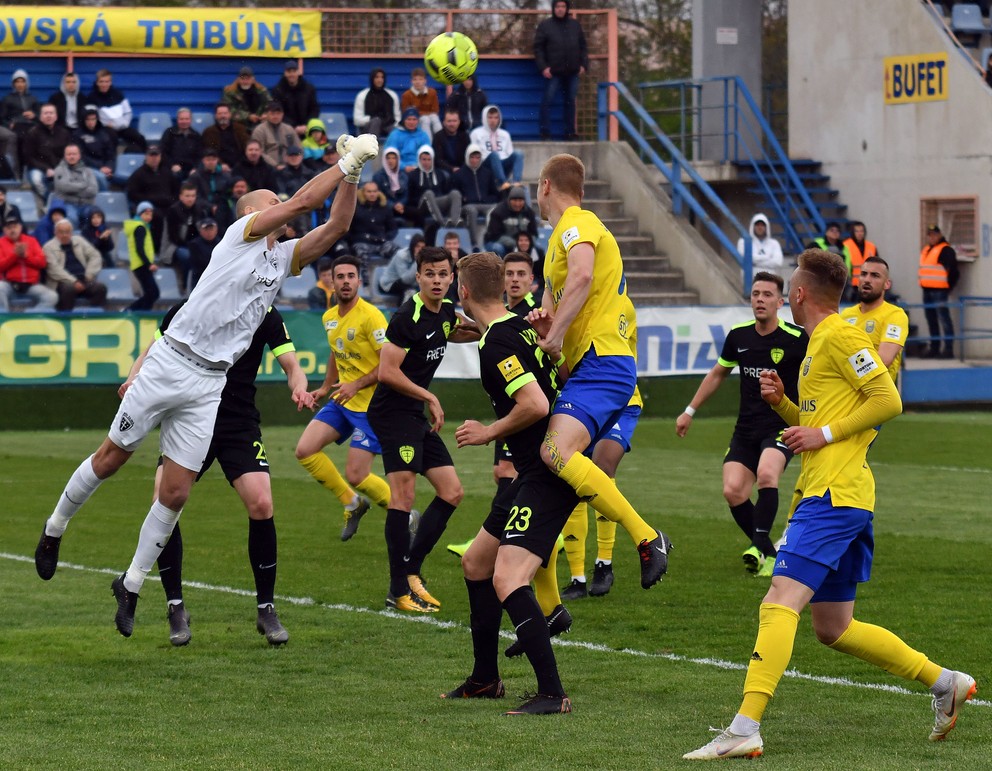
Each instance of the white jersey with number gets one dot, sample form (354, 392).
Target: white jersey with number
(233, 295)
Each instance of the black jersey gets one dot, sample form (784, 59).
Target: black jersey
(782, 351)
(509, 358)
(526, 305)
(423, 334)
(237, 402)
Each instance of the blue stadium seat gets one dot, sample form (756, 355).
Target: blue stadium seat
(201, 120)
(121, 253)
(405, 235)
(376, 297)
(463, 236)
(967, 18)
(119, 287)
(151, 125)
(27, 203)
(295, 288)
(115, 208)
(127, 163)
(543, 236)
(168, 285)
(336, 124)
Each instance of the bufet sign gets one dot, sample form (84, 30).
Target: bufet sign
(916, 78)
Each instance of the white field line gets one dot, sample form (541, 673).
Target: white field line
(558, 641)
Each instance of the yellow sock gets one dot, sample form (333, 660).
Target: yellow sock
(772, 650)
(575, 531)
(376, 489)
(606, 536)
(592, 483)
(882, 648)
(546, 585)
(324, 471)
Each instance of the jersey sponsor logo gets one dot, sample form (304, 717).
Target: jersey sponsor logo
(806, 362)
(851, 320)
(756, 371)
(407, 453)
(333, 324)
(435, 354)
(379, 335)
(570, 236)
(893, 332)
(807, 405)
(862, 362)
(777, 355)
(127, 422)
(510, 368)
(870, 326)
(268, 282)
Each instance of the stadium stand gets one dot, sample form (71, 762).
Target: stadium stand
(119, 290)
(152, 124)
(463, 235)
(336, 124)
(168, 286)
(405, 235)
(114, 205)
(201, 120)
(25, 201)
(127, 163)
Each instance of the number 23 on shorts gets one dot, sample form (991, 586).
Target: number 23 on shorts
(519, 519)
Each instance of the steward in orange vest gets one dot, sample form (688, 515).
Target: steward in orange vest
(938, 262)
(859, 250)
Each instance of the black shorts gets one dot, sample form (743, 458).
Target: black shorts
(747, 450)
(531, 513)
(408, 444)
(501, 453)
(238, 449)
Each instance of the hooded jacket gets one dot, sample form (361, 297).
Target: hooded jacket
(476, 185)
(497, 141)
(506, 223)
(98, 147)
(436, 180)
(766, 254)
(312, 148)
(400, 192)
(69, 107)
(375, 102)
(560, 44)
(14, 105)
(408, 143)
(469, 103)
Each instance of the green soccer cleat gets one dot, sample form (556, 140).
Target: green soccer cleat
(459, 549)
(767, 569)
(754, 560)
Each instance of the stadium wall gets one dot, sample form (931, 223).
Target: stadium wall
(884, 158)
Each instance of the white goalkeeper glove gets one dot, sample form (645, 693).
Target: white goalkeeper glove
(355, 153)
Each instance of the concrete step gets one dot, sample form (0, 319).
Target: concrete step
(604, 208)
(626, 226)
(635, 245)
(655, 281)
(649, 299)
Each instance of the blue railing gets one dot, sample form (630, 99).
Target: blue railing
(746, 138)
(963, 333)
(681, 194)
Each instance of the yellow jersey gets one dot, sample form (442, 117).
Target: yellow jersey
(606, 319)
(887, 323)
(840, 360)
(356, 339)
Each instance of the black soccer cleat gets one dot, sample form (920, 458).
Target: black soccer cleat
(352, 518)
(268, 624)
(127, 603)
(559, 622)
(473, 690)
(575, 590)
(46, 556)
(541, 704)
(602, 579)
(654, 559)
(179, 633)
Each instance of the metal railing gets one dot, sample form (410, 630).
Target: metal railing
(672, 171)
(958, 309)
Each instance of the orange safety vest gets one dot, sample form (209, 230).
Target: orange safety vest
(932, 274)
(857, 258)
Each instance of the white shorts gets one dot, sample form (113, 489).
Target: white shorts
(178, 393)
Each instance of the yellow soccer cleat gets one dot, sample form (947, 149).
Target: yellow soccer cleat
(408, 603)
(419, 589)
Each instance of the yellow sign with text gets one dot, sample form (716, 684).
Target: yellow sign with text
(176, 31)
(916, 78)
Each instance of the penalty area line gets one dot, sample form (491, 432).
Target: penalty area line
(677, 658)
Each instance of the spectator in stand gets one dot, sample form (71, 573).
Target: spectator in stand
(438, 203)
(399, 277)
(424, 98)
(141, 247)
(44, 231)
(257, 172)
(7, 209)
(180, 229)
(377, 108)
(315, 142)
(182, 145)
(408, 138)
(393, 181)
(212, 182)
(468, 100)
(562, 58)
(274, 136)
(938, 275)
(21, 266)
(152, 181)
(226, 137)
(42, 151)
(19, 112)
(321, 296)
(860, 249)
(450, 143)
(99, 236)
(72, 265)
(372, 227)
(480, 193)
(453, 246)
(766, 253)
(298, 97)
(226, 210)
(509, 218)
(201, 247)
(528, 246)
(247, 99)
(68, 102)
(294, 175)
(115, 111)
(497, 148)
(98, 147)
(74, 183)
(830, 242)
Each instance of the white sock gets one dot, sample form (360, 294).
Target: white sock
(604, 562)
(176, 602)
(743, 726)
(81, 485)
(353, 505)
(155, 533)
(943, 683)
(580, 579)
(265, 605)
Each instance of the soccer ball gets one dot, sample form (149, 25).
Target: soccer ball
(451, 57)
